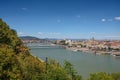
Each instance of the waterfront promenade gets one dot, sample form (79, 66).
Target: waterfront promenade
(92, 46)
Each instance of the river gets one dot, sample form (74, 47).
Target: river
(84, 63)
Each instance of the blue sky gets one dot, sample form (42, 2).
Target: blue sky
(63, 18)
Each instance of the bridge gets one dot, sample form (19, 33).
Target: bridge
(37, 45)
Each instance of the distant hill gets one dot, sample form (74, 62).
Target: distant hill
(29, 38)
(48, 39)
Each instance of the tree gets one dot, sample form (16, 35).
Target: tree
(9, 65)
(71, 71)
(100, 76)
(116, 76)
(55, 71)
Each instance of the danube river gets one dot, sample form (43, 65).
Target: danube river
(84, 63)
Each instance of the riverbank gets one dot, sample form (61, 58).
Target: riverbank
(86, 50)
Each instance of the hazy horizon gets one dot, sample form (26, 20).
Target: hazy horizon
(69, 38)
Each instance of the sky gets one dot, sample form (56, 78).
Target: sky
(79, 19)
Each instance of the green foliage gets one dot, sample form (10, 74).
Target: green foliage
(9, 36)
(9, 65)
(69, 68)
(71, 71)
(116, 76)
(20, 66)
(15, 61)
(32, 67)
(104, 76)
(100, 76)
(55, 71)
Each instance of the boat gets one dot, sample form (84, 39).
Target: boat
(116, 55)
(75, 50)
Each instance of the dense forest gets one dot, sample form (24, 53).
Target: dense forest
(16, 62)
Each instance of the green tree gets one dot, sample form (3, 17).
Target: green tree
(9, 65)
(100, 76)
(71, 71)
(116, 76)
(55, 71)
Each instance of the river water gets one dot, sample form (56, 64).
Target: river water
(84, 63)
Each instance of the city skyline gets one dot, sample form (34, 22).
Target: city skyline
(63, 18)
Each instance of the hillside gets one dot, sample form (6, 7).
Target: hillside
(16, 62)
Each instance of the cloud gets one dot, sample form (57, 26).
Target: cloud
(24, 9)
(49, 33)
(117, 18)
(40, 33)
(103, 20)
(20, 33)
(55, 33)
